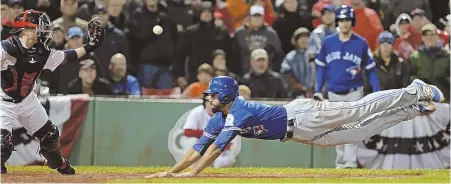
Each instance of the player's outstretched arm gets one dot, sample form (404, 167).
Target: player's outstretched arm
(213, 151)
(96, 33)
(190, 157)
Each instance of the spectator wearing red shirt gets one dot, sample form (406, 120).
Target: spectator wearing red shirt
(418, 21)
(368, 23)
(402, 46)
(318, 7)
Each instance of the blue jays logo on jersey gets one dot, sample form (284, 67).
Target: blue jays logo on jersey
(347, 56)
(255, 130)
(354, 70)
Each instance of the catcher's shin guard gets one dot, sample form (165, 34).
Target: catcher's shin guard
(6, 148)
(48, 136)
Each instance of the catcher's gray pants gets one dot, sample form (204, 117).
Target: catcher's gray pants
(334, 123)
(346, 153)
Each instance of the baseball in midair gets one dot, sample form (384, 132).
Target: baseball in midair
(157, 30)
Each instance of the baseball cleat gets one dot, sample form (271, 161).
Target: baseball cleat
(66, 168)
(433, 91)
(425, 107)
(4, 170)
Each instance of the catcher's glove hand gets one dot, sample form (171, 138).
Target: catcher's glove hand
(96, 33)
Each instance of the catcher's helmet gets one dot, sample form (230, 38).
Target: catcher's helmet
(32, 19)
(345, 12)
(226, 88)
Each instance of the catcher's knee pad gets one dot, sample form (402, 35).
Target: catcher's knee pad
(48, 136)
(7, 146)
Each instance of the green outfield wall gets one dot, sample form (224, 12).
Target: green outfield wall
(137, 132)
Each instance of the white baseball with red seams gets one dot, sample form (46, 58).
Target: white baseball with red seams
(157, 30)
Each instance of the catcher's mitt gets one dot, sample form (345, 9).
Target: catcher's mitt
(96, 33)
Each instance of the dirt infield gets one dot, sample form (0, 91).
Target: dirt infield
(38, 177)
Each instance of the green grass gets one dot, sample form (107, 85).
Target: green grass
(284, 175)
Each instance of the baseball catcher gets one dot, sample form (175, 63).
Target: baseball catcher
(23, 57)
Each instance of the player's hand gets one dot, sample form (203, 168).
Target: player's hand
(183, 175)
(160, 175)
(318, 96)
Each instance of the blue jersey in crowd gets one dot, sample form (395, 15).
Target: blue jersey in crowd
(248, 119)
(128, 85)
(340, 64)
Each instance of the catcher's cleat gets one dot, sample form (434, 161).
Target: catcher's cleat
(4, 170)
(66, 168)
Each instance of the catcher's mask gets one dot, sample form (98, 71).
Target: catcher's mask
(31, 19)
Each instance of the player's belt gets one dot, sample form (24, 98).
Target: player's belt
(345, 92)
(290, 130)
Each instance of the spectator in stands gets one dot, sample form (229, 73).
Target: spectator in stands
(153, 53)
(67, 72)
(86, 11)
(205, 73)
(7, 19)
(115, 12)
(58, 39)
(263, 82)
(121, 82)
(269, 15)
(368, 24)
(298, 71)
(218, 19)
(419, 19)
(256, 35)
(114, 42)
(239, 10)
(17, 7)
(288, 20)
(392, 70)
(181, 13)
(319, 6)
(402, 45)
(199, 41)
(88, 82)
(244, 91)
(396, 7)
(322, 31)
(431, 63)
(223, 12)
(69, 18)
(220, 64)
(51, 7)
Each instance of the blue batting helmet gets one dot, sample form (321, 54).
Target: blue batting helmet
(345, 12)
(226, 88)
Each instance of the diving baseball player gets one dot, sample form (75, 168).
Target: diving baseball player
(23, 57)
(340, 62)
(194, 127)
(306, 121)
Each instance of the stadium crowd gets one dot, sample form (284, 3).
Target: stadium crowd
(267, 45)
